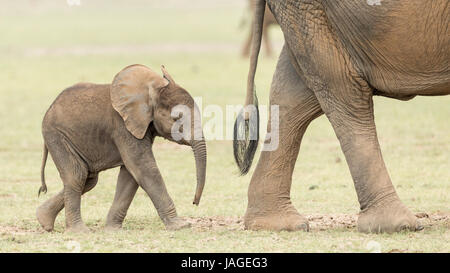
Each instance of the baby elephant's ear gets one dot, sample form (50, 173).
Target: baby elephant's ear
(166, 74)
(134, 92)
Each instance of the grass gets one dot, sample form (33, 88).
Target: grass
(51, 46)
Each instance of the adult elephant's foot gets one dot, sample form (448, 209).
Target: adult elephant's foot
(391, 217)
(277, 222)
(175, 223)
(46, 217)
(284, 218)
(114, 221)
(112, 227)
(78, 228)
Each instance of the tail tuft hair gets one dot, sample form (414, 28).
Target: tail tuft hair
(246, 137)
(42, 189)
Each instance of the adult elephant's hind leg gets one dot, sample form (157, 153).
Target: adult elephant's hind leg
(269, 203)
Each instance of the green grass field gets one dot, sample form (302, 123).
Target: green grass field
(48, 46)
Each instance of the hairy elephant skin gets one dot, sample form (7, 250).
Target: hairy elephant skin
(93, 127)
(337, 56)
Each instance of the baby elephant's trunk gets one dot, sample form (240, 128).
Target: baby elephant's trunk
(199, 148)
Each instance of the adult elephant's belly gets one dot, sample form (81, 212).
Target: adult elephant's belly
(404, 86)
(401, 47)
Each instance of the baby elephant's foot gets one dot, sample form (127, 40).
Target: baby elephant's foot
(389, 218)
(45, 217)
(78, 228)
(176, 223)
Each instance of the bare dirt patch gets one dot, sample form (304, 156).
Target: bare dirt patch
(317, 222)
(216, 223)
(434, 219)
(331, 221)
(15, 230)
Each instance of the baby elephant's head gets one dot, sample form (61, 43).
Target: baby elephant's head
(143, 97)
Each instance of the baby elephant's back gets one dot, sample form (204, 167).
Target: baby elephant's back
(80, 105)
(83, 113)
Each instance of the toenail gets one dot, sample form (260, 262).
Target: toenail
(304, 227)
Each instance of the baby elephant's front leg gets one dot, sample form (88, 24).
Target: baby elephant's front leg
(142, 169)
(125, 191)
(154, 186)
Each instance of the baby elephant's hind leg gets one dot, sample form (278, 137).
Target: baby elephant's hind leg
(47, 212)
(74, 174)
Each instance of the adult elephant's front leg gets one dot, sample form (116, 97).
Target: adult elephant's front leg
(346, 99)
(381, 208)
(125, 191)
(269, 203)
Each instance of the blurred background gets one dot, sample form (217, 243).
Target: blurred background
(46, 46)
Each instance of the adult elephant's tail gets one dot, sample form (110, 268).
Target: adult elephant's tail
(43, 187)
(246, 126)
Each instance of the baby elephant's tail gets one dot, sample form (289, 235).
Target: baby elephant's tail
(43, 187)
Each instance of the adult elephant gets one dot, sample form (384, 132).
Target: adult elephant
(337, 56)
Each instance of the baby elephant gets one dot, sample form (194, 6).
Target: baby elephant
(93, 127)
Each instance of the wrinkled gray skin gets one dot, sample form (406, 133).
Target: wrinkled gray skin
(337, 56)
(91, 127)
